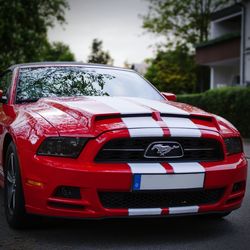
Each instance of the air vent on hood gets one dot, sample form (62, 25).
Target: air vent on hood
(113, 116)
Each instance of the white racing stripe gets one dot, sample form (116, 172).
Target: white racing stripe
(183, 210)
(187, 167)
(179, 126)
(123, 106)
(140, 122)
(136, 127)
(144, 211)
(162, 107)
(179, 122)
(147, 168)
(184, 132)
(146, 132)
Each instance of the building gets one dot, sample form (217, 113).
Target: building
(227, 52)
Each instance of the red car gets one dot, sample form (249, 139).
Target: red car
(91, 141)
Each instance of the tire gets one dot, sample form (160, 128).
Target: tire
(14, 202)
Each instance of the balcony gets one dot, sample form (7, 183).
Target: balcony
(224, 48)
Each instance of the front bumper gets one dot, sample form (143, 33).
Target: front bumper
(94, 178)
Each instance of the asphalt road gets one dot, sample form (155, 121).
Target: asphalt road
(233, 232)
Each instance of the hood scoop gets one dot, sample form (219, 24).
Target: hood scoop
(155, 115)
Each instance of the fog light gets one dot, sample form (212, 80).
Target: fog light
(68, 192)
(239, 186)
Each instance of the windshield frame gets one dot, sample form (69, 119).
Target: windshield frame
(79, 66)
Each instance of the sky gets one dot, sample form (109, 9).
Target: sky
(115, 22)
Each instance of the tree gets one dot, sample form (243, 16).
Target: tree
(98, 55)
(57, 51)
(182, 21)
(173, 71)
(23, 28)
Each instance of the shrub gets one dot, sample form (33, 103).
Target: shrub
(232, 103)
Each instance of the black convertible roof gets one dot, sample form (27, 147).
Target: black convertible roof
(44, 64)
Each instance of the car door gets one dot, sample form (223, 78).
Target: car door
(5, 86)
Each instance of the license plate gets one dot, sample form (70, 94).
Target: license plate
(167, 181)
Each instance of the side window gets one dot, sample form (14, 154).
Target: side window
(5, 83)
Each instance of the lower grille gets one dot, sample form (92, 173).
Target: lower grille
(162, 199)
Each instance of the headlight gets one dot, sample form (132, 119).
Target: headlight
(62, 146)
(233, 145)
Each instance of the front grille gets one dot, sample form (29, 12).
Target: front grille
(162, 199)
(133, 150)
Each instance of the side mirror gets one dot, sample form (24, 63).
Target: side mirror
(169, 96)
(3, 99)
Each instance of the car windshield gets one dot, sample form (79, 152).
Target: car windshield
(55, 81)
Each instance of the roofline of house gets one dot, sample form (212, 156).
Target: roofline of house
(220, 39)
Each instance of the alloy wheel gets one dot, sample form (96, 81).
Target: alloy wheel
(11, 184)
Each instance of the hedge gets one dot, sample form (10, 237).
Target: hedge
(232, 103)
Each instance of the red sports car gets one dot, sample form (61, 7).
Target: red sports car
(91, 141)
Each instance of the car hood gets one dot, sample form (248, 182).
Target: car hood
(90, 116)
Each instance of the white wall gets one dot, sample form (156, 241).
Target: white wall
(247, 43)
(247, 68)
(247, 25)
(220, 28)
(224, 75)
